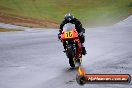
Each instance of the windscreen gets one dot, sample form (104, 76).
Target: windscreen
(68, 27)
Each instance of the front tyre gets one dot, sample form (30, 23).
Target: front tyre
(71, 55)
(72, 62)
(80, 61)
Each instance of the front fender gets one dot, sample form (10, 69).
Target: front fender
(70, 52)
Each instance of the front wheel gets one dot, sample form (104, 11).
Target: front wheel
(80, 61)
(72, 62)
(71, 55)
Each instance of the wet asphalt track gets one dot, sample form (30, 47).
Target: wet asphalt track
(34, 59)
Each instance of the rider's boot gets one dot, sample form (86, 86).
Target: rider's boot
(84, 52)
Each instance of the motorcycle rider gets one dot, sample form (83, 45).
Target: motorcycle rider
(69, 18)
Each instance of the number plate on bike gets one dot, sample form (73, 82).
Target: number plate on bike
(69, 34)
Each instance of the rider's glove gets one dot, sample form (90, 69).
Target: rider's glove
(81, 34)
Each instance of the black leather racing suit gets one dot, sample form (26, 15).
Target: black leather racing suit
(79, 29)
(78, 26)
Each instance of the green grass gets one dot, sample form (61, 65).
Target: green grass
(8, 30)
(90, 12)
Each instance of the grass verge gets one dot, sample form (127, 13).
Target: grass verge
(90, 12)
(8, 30)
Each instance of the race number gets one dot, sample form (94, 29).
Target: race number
(69, 34)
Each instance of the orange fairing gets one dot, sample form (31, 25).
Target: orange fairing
(69, 34)
(75, 33)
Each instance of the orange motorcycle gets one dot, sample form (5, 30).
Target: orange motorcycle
(72, 44)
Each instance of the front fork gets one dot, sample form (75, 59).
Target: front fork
(76, 47)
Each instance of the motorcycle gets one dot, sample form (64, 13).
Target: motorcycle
(72, 44)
